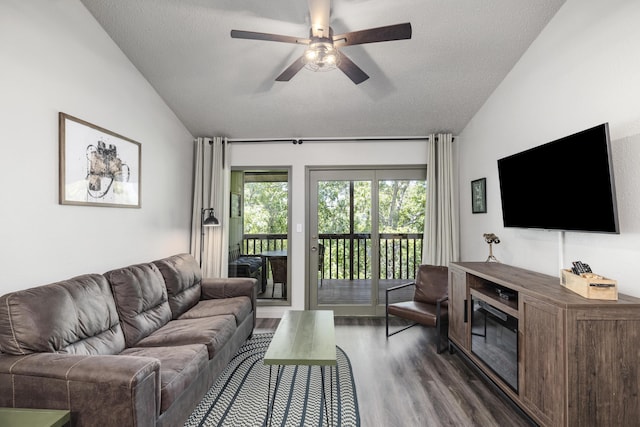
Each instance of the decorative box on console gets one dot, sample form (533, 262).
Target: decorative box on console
(590, 285)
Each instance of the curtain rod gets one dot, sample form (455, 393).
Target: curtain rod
(300, 140)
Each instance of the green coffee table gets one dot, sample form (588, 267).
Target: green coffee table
(303, 338)
(22, 417)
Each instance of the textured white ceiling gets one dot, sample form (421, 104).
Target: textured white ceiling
(460, 51)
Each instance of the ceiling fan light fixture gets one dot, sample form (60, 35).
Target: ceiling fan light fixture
(321, 53)
(321, 56)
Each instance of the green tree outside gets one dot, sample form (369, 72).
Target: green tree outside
(401, 211)
(265, 207)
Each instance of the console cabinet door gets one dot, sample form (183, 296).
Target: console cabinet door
(542, 360)
(604, 367)
(457, 306)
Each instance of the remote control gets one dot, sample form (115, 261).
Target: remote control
(579, 268)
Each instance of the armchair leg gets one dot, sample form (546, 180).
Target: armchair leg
(386, 308)
(400, 330)
(439, 347)
(387, 324)
(386, 311)
(387, 321)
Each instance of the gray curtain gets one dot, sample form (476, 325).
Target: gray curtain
(440, 245)
(211, 190)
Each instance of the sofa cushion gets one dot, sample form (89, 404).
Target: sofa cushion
(214, 332)
(417, 311)
(182, 277)
(179, 368)
(76, 316)
(141, 300)
(239, 307)
(253, 263)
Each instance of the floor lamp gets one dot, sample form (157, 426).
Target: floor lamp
(211, 221)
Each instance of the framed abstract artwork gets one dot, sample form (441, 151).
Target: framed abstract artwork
(236, 205)
(479, 196)
(97, 167)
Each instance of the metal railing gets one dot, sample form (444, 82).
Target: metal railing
(348, 256)
(253, 244)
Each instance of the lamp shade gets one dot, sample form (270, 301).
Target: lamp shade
(210, 220)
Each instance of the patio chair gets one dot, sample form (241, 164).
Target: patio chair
(429, 304)
(279, 273)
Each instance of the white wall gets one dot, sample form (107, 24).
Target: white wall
(299, 157)
(583, 70)
(55, 57)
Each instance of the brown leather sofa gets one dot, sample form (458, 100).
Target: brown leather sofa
(136, 346)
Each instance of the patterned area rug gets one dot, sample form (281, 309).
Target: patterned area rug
(239, 396)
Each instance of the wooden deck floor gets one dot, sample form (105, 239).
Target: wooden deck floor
(403, 382)
(333, 292)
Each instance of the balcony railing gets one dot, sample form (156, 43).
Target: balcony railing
(348, 256)
(253, 244)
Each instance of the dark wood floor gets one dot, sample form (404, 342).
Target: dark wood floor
(403, 382)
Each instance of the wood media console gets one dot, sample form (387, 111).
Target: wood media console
(563, 359)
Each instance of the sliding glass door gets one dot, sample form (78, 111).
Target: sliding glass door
(259, 231)
(365, 234)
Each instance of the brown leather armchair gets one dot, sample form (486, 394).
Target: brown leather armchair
(429, 305)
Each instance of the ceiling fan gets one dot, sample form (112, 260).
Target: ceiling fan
(322, 52)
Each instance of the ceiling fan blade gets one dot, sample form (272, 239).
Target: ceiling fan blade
(319, 14)
(291, 70)
(374, 35)
(252, 35)
(352, 71)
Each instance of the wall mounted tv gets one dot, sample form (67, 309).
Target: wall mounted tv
(565, 184)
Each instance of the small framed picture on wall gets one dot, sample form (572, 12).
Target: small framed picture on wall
(479, 196)
(236, 205)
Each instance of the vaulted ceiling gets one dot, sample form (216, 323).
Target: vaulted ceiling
(459, 52)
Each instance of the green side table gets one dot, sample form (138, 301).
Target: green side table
(303, 338)
(22, 417)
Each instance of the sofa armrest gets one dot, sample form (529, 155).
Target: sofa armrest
(215, 288)
(104, 390)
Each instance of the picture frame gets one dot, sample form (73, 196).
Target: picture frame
(236, 206)
(97, 167)
(479, 196)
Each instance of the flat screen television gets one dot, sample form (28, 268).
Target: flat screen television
(566, 184)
